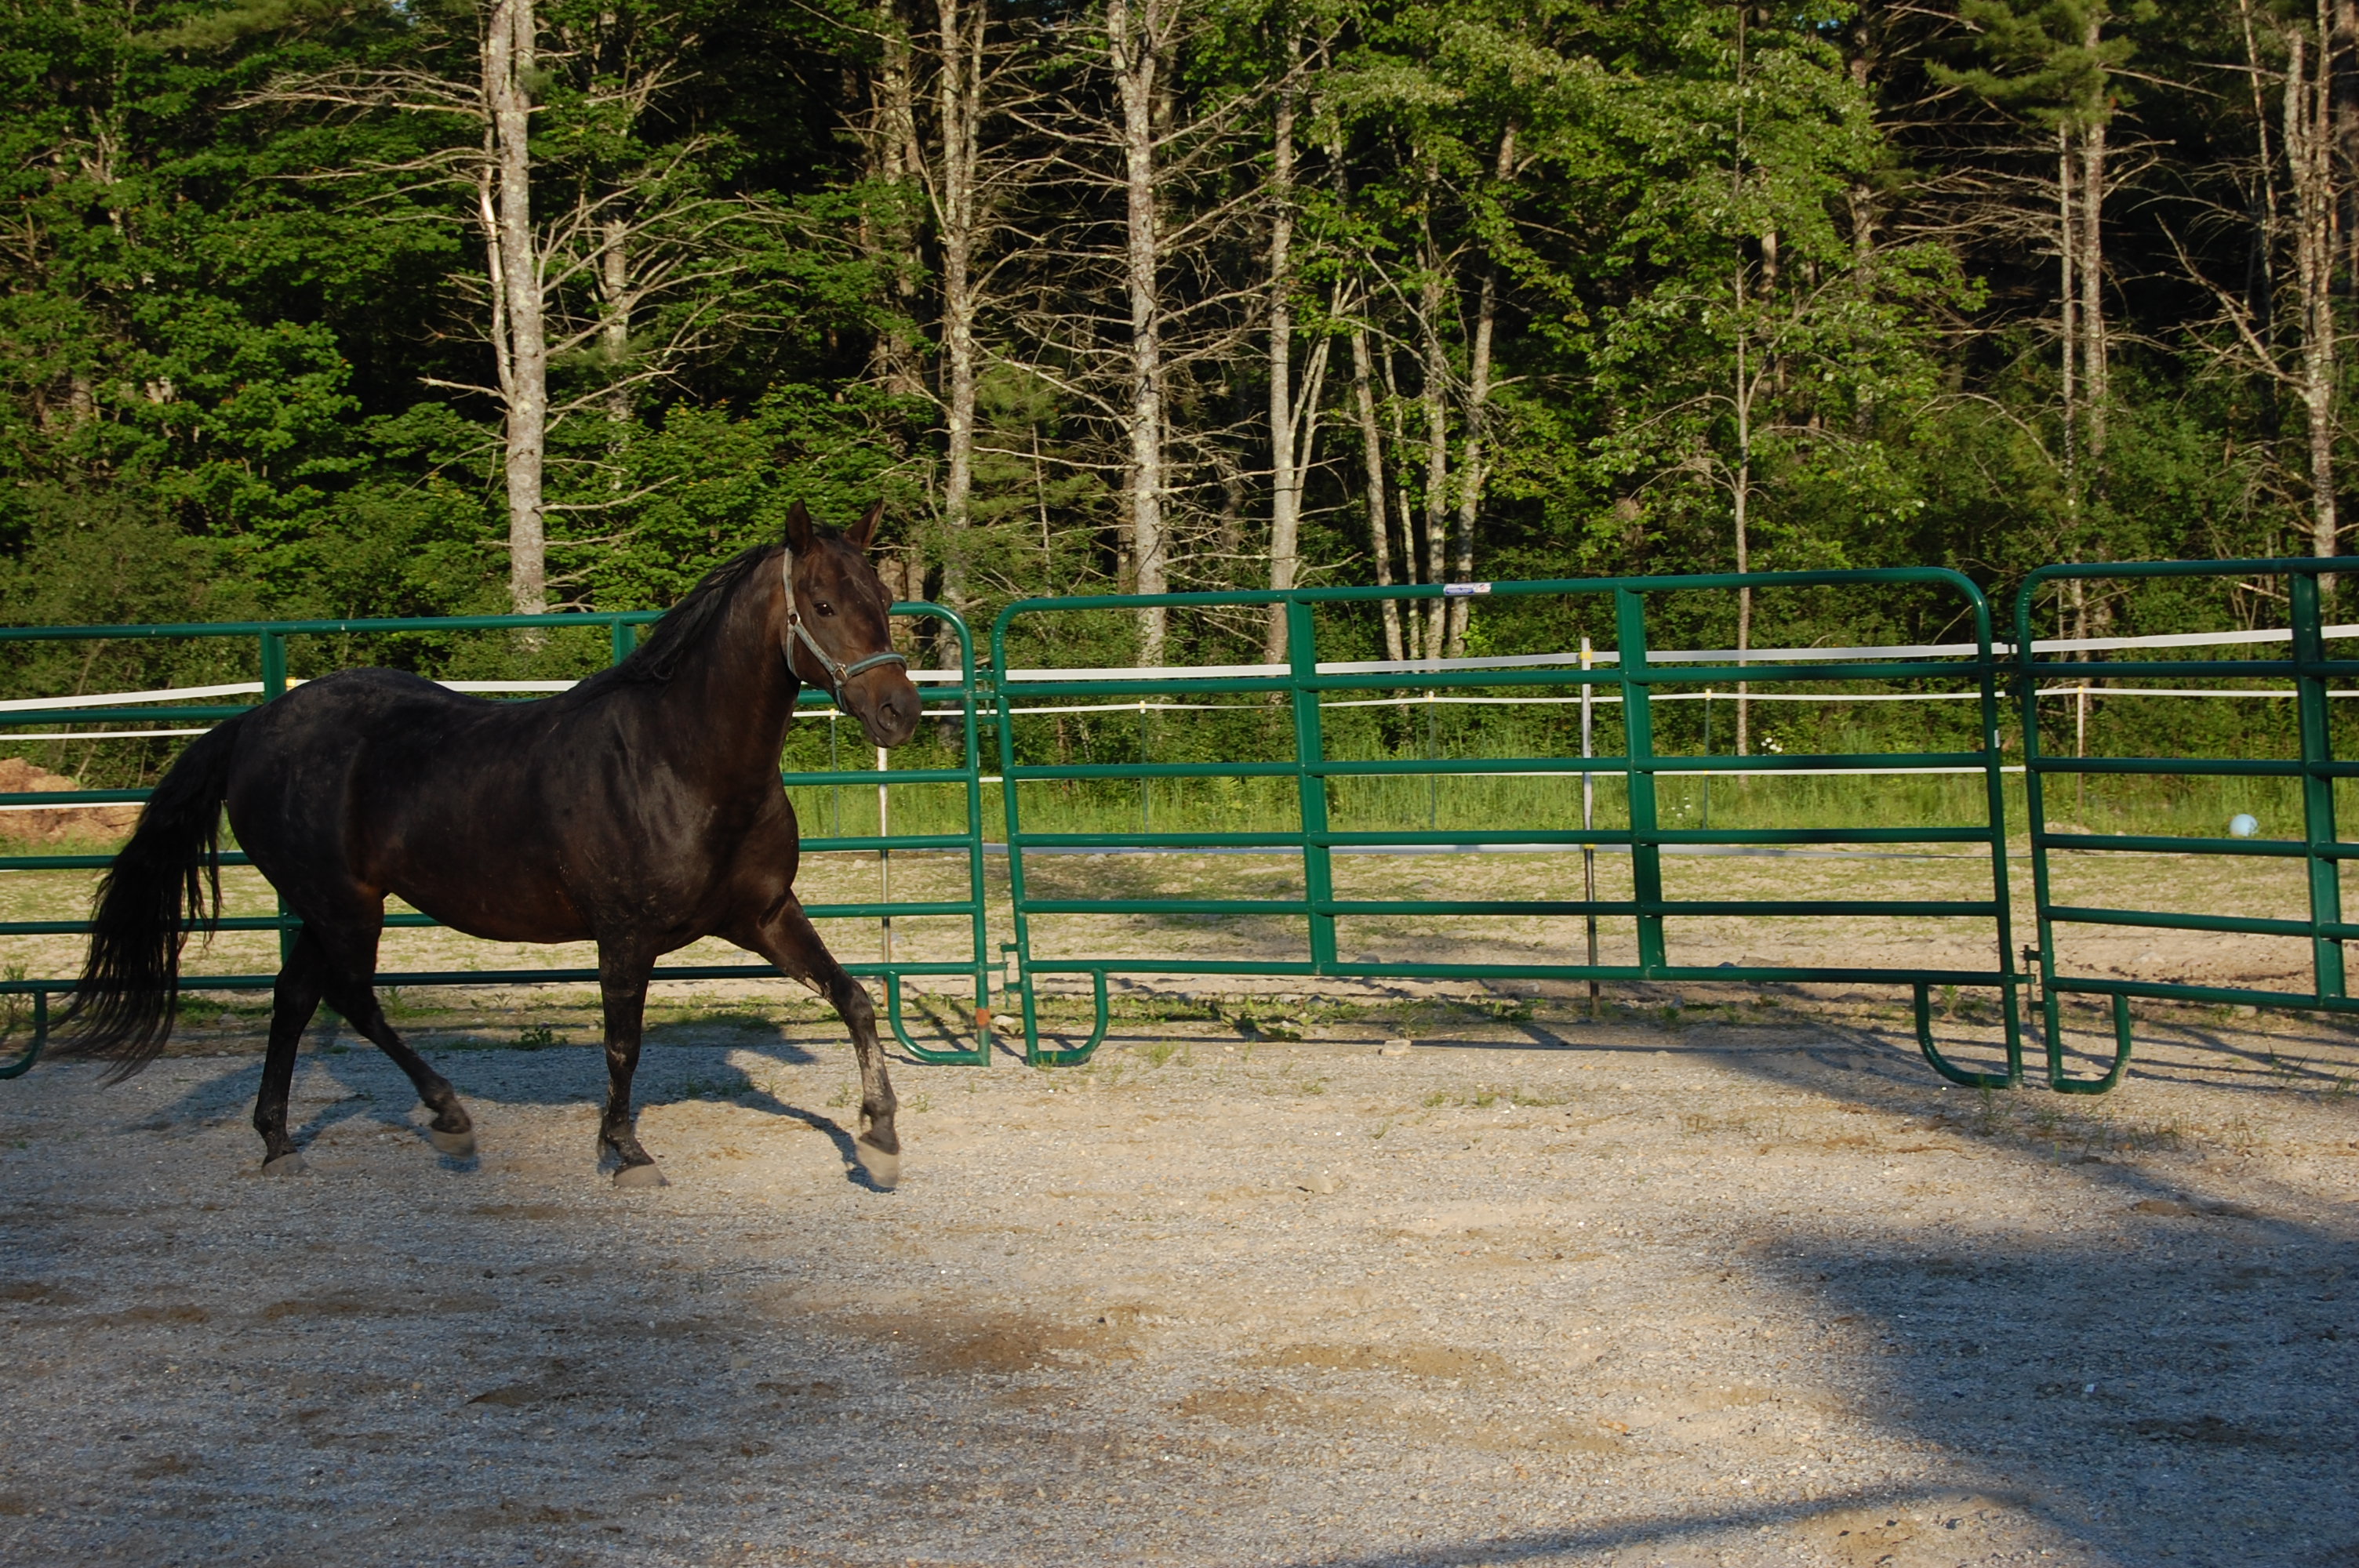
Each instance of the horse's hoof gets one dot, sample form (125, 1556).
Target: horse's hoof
(288, 1164)
(458, 1145)
(646, 1175)
(883, 1169)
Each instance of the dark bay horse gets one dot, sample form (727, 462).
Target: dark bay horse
(641, 810)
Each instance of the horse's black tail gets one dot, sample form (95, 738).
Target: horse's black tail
(164, 883)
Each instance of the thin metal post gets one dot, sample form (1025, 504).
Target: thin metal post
(884, 855)
(834, 766)
(2317, 786)
(274, 685)
(1638, 727)
(1310, 750)
(1432, 755)
(1587, 821)
(1707, 751)
(2081, 749)
(1146, 785)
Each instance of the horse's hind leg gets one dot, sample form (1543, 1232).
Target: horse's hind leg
(787, 937)
(453, 1130)
(294, 997)
(348, 949)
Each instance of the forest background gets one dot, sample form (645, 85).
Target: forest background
(374, 307)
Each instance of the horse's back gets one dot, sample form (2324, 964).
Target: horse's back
(380, 781)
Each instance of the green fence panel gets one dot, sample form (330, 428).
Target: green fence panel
(1307, 688)
(270, 643)
(2320, 847)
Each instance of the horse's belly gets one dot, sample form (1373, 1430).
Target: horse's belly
(519, 914)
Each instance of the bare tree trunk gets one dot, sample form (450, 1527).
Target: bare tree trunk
(897, 157)
(2309, 141)
(2263, 294)
(957, 87)
(1413, 620)
(2096, 381)
(1435, 394)
(615, 334)
(1372, 453)
(1134, 36)
(509, 49)
(1285, 475)
(1471, 470)
(1741, 503)
(2339, 68)
(2069, 329)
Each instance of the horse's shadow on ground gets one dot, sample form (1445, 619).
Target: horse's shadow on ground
(375, 1091)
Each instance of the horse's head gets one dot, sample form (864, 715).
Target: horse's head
(838, 634)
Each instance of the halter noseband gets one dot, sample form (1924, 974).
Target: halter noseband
(838, 672)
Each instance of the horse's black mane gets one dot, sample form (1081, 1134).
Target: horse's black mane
(685, 628)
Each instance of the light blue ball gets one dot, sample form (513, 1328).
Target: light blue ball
(2244, 825)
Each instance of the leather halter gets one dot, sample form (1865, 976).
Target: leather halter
(838, 672)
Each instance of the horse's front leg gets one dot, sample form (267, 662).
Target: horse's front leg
(787, 937)
(622, 986)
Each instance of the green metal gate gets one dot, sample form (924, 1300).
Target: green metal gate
(1634, 677)
(270, 660)
(2318, 846)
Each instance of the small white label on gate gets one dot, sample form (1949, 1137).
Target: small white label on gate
(1461, 589)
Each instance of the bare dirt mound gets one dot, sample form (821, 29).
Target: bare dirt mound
(42, 825)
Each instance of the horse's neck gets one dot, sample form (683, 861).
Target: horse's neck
(735, 692)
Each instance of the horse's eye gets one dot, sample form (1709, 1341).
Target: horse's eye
(825, 608)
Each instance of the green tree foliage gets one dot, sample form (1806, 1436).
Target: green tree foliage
(1622, 275)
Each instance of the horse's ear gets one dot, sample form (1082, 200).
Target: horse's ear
(799, 528)
(863, 534)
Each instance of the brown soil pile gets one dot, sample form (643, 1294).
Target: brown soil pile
(47, 826)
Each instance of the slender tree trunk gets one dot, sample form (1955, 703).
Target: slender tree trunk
(2095, 379)
(897, 158)
(1372, 454)
(1284, 475)
(1741, 506)
(615, 332)
(2262, 292)
(2067, 242)
(2339, 68)
(2309, 141)
(509, 49)
(1435, 394)
(957, 88)
(1413, 620)
(1134, 36)
(1471, 455)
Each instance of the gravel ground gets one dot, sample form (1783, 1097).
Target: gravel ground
(1543, 1291)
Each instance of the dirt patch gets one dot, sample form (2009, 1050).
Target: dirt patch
(42, 826)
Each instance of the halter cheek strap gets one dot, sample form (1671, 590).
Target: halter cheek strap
(838, 673)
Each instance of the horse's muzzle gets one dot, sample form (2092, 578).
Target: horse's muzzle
(886, 704)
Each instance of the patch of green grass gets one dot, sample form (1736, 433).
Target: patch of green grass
(538, 1037)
